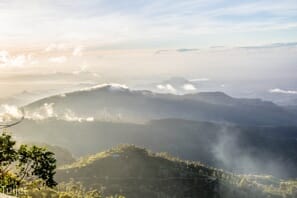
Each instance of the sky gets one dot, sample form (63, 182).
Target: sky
(115, 39)
(114, 24)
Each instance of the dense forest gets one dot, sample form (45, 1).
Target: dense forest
(137, 172)
(131, 171)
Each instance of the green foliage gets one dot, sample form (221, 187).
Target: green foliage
(36, 161)
(137, 172)
(62, 155)
(9, 180)
(25, 164)
(7, 153)
(71, 189)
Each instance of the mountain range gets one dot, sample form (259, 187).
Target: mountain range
(118, 103)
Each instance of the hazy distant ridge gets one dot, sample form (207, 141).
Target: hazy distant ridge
(118, 103)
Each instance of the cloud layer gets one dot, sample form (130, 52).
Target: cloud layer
(9, 61)
(9, 113)
(282, 91)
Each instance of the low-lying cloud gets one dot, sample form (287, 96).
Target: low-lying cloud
(231, 152)
(110, 86)
(55, 47)
(187, 50)
(282, 91)
(59, 59)
(8, 60)
(189, 87)
(166, 88)
(47, 111)
(77, 51)
(72, 117)
(9, 113)
(43, 112)
(269, 46)
(199, 80)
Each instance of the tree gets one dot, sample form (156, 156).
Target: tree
(25, 164)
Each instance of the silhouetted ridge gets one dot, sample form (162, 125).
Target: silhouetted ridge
(116, 102)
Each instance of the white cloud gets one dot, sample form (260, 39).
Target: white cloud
(111, 86)
(19, 61)
(59, 59)
(282, 91)
(43, 112)
(189, 87)
(9, 113)
(77, 51)
(55, 47)
(72, 117)
(47, 111)
(90, 119)
(161, 87)
(167, 88)
(4, 57)
(199, 80)
(7, 60)
(34, 62)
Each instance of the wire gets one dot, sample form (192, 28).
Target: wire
(7, 125)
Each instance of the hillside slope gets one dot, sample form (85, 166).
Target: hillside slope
(267, 150)
(136, 172)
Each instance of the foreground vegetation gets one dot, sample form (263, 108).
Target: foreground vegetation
(136, 172)
(252, 147)
(25, 164)
(27, 171)
(127, 171)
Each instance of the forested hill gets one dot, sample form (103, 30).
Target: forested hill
(213, 144)
(135, 172)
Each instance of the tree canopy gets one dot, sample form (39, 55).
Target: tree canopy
(25, 164)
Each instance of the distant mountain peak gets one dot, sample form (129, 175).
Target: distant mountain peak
(214, 94)
(109, 86)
